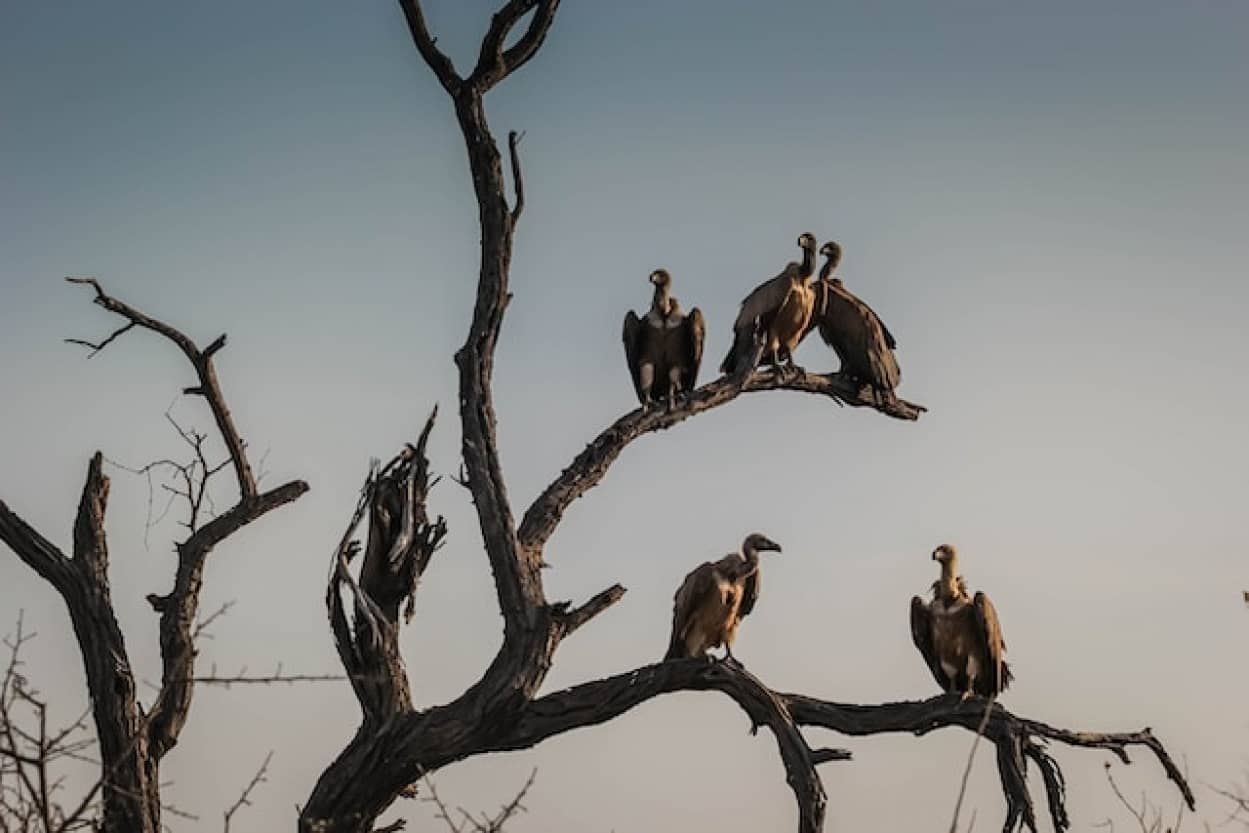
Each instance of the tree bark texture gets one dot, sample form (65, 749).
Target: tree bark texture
(134, 740)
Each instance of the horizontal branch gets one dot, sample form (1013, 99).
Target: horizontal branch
(1016, 738)
(591, 465)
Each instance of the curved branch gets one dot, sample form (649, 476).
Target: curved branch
(602, 700)
(495, 63)
(591, 465)
(209, 387)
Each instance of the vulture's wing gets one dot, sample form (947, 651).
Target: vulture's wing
(989, 632)
(864, 346)
(755, 315)
(632, 337)
(890, 341)
(750, 592)
(921, 635)
(765, 298)
(695, 329)
(697, 587)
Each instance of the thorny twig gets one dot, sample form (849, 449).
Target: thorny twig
(244, 799)
(486, 823)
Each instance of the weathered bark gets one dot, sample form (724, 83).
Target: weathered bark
(396, 745)
(132, 741)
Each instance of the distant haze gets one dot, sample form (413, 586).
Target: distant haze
(1047, 204)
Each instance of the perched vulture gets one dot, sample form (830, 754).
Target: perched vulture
(665, 346)
(861, 340)
(778, 313)
(714, 598)
(959, 635)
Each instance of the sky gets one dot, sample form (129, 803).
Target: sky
(1046, 203)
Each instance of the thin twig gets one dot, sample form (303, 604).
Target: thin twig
(245, 798)
(971, 756)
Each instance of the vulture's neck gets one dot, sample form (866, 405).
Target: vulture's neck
(662, 302)
(751, 556)
(827, 269)
(808, 262)
(948, 588)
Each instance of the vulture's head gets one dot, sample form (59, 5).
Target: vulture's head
(945, 554)
(832, 251)
(660, 277)
(806, 240)
(760, 543)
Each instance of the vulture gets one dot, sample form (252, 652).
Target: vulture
(664, 346)
(855, 332)
(714, 598)
(958, 635)
(778, 313)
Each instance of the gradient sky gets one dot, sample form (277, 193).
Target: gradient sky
(1046, 203)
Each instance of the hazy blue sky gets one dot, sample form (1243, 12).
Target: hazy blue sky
(1046, 203)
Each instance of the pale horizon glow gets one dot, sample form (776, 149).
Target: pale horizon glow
(1047, 206)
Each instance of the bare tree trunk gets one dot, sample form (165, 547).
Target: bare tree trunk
(395, 745)
(133, 741)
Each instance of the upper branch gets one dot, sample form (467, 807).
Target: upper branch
(591, 465)
(426, 44)
(496, 63)
(209, 387)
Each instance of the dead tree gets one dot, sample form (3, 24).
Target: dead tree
(133, 739)
(396, 745)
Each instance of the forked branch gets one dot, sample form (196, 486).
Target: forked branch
(132, 742)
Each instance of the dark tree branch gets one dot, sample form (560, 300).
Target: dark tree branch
(132, 743)
(427, 46)
(1016, 739)
(518, 180)
(201, 361)
(245, 797)
(590, 704)
(591, 465)
(496, 63)
(178, 612)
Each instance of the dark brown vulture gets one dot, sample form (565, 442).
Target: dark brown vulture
(665, 346)
(855, 332)
(959, 635)
(777, 313)
(713, 600)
